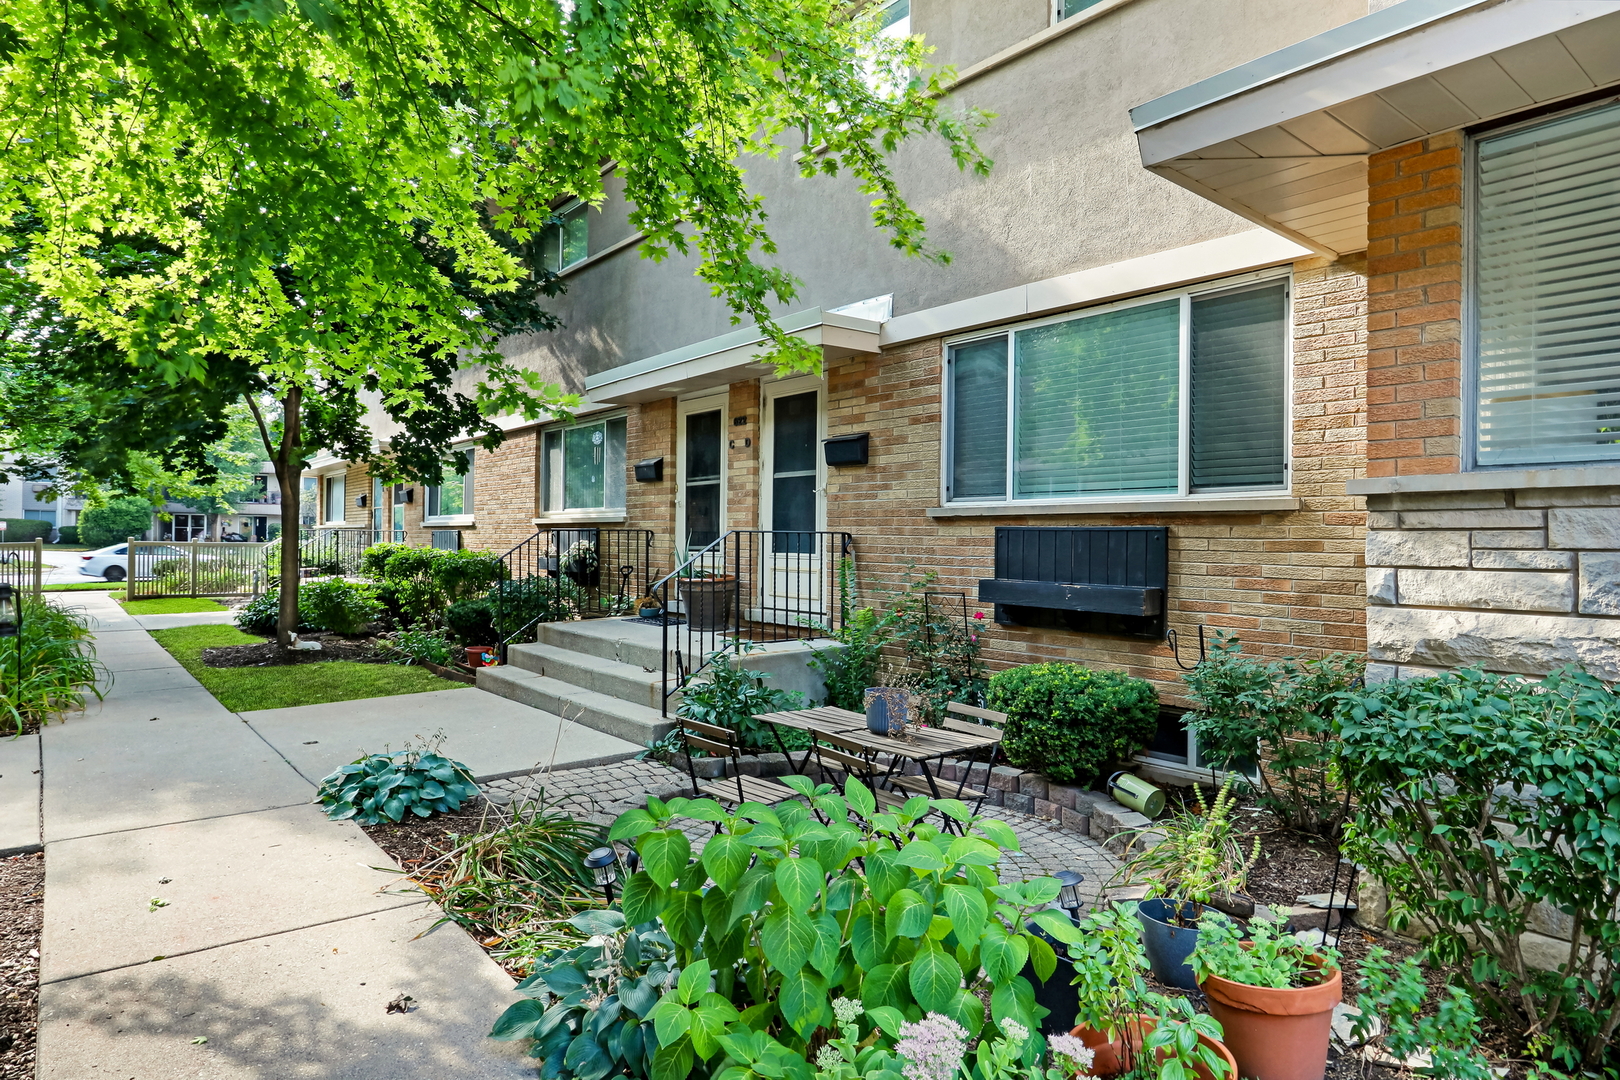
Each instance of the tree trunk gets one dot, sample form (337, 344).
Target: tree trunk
(288, 461)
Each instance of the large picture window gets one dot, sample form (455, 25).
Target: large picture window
(1546, 285)
(1091, 406)
(454, 497)
(583, 467)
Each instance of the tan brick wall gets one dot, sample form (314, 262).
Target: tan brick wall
(650, 433)
(505, 490)
(1414, 296)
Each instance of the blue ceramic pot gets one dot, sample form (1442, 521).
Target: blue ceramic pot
(1167, 945)
(888, 710)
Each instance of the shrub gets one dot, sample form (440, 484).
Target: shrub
(258, 615)
(68, 534)
(55, 654)
(25, 530)
(1396, 996)
(1478, 797)
(418, 645)
(1282, 711)
(792, 906)
(343, 607)
(378, 787)
(472, 621)
(524, 601)
(422, 582)
(731, 696)
(117, 521)
(1071, 722)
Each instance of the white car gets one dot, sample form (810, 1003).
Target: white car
(112, 563)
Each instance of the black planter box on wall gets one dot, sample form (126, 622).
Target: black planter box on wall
(1094, 579)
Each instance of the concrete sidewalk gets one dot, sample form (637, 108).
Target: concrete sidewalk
(276, 941)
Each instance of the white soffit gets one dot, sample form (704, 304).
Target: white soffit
(1284, 139)
(729, 358)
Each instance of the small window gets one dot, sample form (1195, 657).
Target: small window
(584, 467)
(1090, 406)
(1063, 9)
(563, 242)
(454, 497)
(333, 500)
(1547, 292)
(894, 18)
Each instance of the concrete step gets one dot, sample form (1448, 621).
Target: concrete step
(637, 644)
(627, 682)
(589, 708)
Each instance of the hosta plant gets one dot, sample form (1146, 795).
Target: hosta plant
(794, 905)
(387, 786)
(587, 1008)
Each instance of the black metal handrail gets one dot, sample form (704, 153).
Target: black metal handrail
(566, 573)
(748, 586)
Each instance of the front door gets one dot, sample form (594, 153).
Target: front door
(399, 514)
(700, 508)
(791, 505)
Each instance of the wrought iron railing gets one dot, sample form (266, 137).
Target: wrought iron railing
(330, 551)
(572, 573)
(749, 586)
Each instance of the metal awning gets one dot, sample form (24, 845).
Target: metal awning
(1283, 140)
(729, 358)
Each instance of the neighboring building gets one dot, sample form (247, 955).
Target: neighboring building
(1473, 151)
(26, 499)
(1105, 348)
(256, 516)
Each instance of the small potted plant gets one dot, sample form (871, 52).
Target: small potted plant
(1274, 995)
(581, 564)
(1132, 1031)
(709, 597)
(648, 607)
(1197, 863)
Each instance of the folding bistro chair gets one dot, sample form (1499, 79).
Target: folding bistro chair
(985, 723)
(735, 788)
(836, 752)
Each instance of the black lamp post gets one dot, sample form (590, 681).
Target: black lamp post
(602, 863)
(1069, 892)
(11, 623)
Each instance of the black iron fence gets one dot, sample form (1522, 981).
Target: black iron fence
(584, 573)
(749, 586)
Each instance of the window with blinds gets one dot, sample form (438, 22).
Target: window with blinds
(1547, 292)
(1091, 406)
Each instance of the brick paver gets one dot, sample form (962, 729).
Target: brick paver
(602, 792)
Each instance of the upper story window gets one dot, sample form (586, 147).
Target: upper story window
(894, 18)
(1178, 394)
(563, 242)
(1546, 287)
(454, 497)
(332, 506)
(583, 466)
(1062, 9)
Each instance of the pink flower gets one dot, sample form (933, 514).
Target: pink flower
(978, 614)
(1071, 1052)
(932, 1048)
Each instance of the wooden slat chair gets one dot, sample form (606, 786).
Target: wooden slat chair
(736, 788)
(833, 752)
(983, 722)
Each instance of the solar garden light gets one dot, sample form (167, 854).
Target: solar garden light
(10, 611)
(602, 863)
(1069, 892)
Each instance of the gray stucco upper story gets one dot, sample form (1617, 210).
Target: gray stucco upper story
(1067, 191)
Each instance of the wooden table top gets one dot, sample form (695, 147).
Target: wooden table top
(917, 742)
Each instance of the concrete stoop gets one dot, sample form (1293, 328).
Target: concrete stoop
(607, 674)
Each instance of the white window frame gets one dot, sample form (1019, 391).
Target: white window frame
(567, 211)
(608, 514)
(1183, 493)
(430, 493)
(327, 500)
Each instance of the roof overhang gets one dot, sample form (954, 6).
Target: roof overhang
(734, 357)
(1283, 140)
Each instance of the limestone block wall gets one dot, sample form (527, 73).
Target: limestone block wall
(1517, 580)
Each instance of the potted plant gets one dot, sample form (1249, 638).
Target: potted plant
(648, 607)
(1132, 1031)
(708, 596)
(1274, 995)
(1196, 863)
(581, 564)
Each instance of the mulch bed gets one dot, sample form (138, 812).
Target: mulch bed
(417, 840)
(270, 654)
(22, 890)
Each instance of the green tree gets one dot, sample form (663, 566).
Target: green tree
(114, 521)
(313, 200)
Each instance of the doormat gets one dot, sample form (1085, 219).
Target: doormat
(657, 620)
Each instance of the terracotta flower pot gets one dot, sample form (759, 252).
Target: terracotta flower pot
(1110, 1057)
(1277, 1034)
(476, 654)
(709, 601)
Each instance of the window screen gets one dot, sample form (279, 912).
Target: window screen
(1547, 292)
(979, 420)
(583, 466)
(1239, 390)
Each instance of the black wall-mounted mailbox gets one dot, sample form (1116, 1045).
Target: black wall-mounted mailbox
(846, 449)
(1108, 579)
(650, 469)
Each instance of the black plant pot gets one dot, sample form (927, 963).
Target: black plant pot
(1057, 994)
(585, 579)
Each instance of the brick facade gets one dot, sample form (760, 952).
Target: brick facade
(1414, 308)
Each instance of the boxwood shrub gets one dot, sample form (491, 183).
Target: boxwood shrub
(1070, 722)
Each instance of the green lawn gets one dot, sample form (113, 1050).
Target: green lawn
(171, 605)
(81, 586)
(245, 689)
